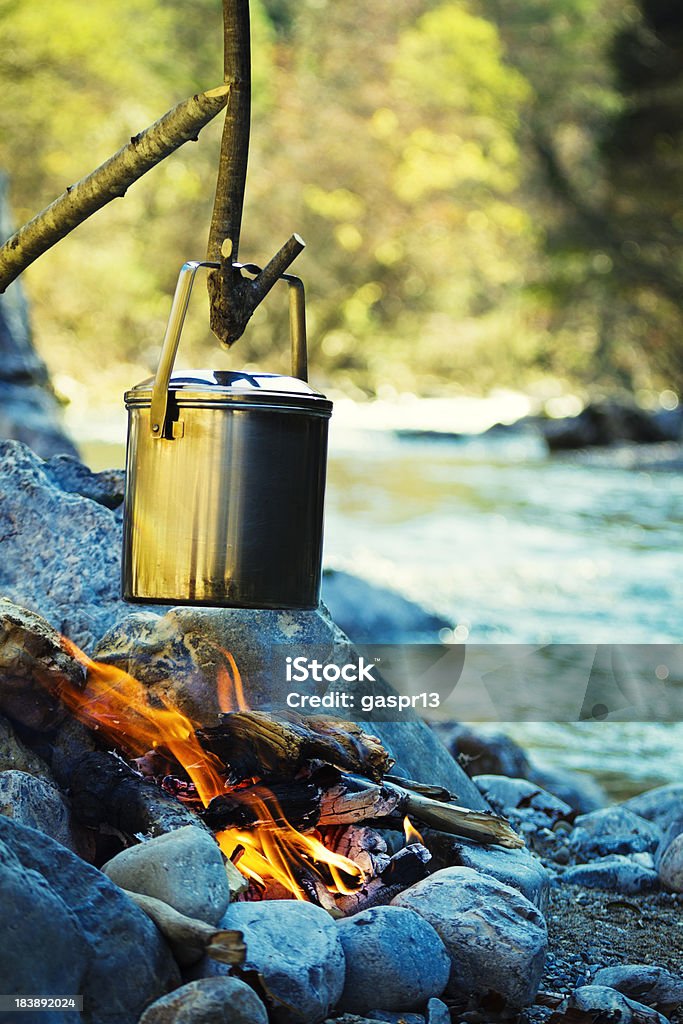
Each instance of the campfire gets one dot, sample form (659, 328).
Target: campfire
(303, 807)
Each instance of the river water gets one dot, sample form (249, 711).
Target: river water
(512, 546)
(515, 546)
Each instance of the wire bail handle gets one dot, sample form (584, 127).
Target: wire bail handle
(181, 300)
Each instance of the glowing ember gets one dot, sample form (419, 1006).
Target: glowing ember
(411, 833)
(118, 705)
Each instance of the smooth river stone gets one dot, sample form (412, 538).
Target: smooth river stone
(209, 1001)
(613, 874)
(602, 1003)
(394, 960)
(183, 868)
(654, 986)
(129, 964)
(612, 830)
(495, 937)
(296, 949)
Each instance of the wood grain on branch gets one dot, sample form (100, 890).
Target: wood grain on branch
(189, 938)
(233, 297)
(109, 181)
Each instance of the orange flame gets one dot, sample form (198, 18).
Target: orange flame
(411, 833)
(119, 705)
(229, 688)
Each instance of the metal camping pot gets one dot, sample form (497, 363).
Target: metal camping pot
(225, 478)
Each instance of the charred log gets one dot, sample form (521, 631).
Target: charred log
(408, 866)
(104, 790)
(260, 743)
(252, 806)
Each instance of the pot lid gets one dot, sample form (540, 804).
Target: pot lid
(221, 386)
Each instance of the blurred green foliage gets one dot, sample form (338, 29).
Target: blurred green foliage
(490, 192)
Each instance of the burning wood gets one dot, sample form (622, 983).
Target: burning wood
(260, 743)
(275, 788)
(295, 803)
(481, 826)
(189, 938)
(406, 867)
(354, 799)
(104, 790)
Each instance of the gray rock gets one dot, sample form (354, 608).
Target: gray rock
(613, 874)
(526, 805)
(15, 755)
(617, 1008)
(653, 986)
(371, 614)
(179, 655)
(583, 793)
(613, 830)
(516, 868)
(496, 938)
(183, 868)
(29, 410)
(671, 865)
(33, 664)
(437, 1012)
(44, 949)
(208, 1001)
(660, 805)
(35, 803)
(117, 933)
(71, 574)
(394, 959)
(296, 950)
(70, 475)
(672, 832)
(484, 753)
(498, 754)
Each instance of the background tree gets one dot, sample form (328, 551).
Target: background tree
(479, 203)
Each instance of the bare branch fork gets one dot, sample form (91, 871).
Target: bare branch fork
(233, 298)
(109, 181)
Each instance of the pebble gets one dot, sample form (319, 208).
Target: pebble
(183, 868)
(613, 874)
(608, 1004)
(437, 1012)
(296, 949)
(613, 830)
(209, 1001)
(394, 959)
(495, 937)
(653, 986)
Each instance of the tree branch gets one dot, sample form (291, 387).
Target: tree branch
(109, 181)
(232, 297)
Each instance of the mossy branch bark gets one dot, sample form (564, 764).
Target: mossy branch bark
(109, 181)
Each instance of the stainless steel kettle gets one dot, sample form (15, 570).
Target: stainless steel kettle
(225, 478)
